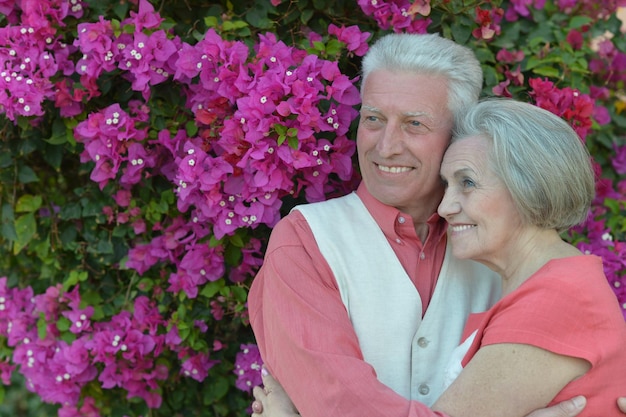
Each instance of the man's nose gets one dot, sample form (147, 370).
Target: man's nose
(390, 141)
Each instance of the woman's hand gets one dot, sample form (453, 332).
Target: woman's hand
(271, 400)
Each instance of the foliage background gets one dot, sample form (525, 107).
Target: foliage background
(108, 230)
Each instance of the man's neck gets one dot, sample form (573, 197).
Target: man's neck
(422, 230)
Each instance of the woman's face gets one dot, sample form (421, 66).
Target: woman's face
(482, 217)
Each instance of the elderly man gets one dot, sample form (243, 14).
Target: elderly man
(359, 297)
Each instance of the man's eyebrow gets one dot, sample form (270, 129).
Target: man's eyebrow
(408, 114)
(418, 114)
(370, 108)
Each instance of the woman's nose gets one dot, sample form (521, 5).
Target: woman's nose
(449, 204)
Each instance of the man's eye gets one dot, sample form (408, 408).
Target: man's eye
(416, 127)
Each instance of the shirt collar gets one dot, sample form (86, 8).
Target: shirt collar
(388, 217)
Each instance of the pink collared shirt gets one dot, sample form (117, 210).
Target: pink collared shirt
(301, 325)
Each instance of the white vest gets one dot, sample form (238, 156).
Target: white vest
(408, 353)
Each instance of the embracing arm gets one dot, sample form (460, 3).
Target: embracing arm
(306, 337)
(509, 379)
(271, 400)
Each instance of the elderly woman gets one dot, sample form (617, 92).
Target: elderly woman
(516, 176)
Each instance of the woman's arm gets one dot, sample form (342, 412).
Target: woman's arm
(509, 379)
(274, 402)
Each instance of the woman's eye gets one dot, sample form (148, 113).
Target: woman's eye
(467, 183)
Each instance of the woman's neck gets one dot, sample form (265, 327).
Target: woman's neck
(530, 254)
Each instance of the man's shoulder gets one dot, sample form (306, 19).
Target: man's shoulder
(330, 207)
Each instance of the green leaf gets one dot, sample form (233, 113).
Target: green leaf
(547, 71)
(74, 278)
(232, 255)
(533, 61)
(59, 133)
(215, 391)
(42, 325)
(6, 159)
(211, 21)
(334, 47)
(461, 33)
(26, 175)
(214, 242)
(239, 293)
(63, 324)
(70, 211)
(293, 142)
(319, 46)
(306, 15)
(211, 288)
(8, 222)
(234, 25)
(103, 247)
(257, 16)
(237, 240)
(579, 21)
(191, 128)
(280, 129)
(25, 228)
(28, 203)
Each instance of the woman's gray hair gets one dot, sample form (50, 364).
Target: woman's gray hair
(539, 157)
(432, 55)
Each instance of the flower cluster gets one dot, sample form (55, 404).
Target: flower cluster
(59, 348)
(262, 125)
(248, 367)
(489, 23)
(570, 104)
(262, 119)
(31, 57)
(399, 15)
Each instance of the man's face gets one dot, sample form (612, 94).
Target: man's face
(403, 131)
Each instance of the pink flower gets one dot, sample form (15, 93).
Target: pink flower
(197, 366)
(489, 23)
(146, 18)
(355, 40)
(6, 370)
(79, 319)
(619, 159)
(248, 364)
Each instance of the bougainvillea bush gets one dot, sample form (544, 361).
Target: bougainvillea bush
(147, 149)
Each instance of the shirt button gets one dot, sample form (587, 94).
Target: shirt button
(423, 389)
(401, 220)
(422, 342)
(422, 256)
(399, 241)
